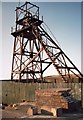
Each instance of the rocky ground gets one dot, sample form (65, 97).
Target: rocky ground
(20, 111)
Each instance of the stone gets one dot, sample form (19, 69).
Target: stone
(2, 106)
(14, 105)
(46, 110)
(32, 111)
(57, 112)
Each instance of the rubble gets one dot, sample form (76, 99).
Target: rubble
(56, 98)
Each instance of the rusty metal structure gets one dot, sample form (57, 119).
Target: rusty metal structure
(35, 50)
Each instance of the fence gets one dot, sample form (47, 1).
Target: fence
(13, 92)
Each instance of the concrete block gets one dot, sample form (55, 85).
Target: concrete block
(57, 112)
(46, 110)
(32, 111)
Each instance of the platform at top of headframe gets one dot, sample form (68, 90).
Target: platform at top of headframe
(31, 19)
(26, 28)
(25, 20)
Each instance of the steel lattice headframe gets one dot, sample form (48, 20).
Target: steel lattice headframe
(35, 50)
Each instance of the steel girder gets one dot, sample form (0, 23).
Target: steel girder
(35, 50)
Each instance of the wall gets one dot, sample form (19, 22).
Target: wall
(13, 92)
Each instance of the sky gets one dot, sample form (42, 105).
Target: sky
(82, 37)
(63, 19)
(42, 0)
